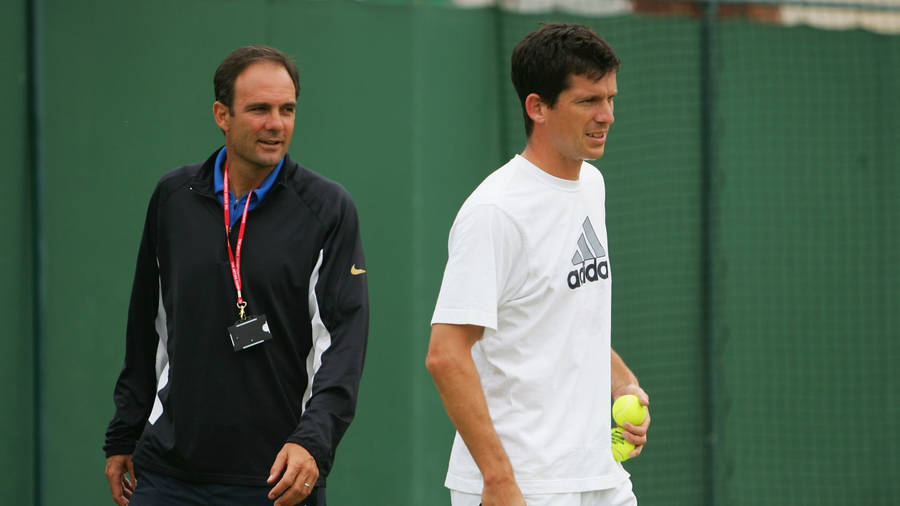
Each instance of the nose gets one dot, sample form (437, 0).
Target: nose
(274, 121)
(604, 113)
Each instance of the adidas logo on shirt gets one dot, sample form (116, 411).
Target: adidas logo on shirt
(588, 255)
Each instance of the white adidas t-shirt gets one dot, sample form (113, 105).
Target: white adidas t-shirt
(528, 261)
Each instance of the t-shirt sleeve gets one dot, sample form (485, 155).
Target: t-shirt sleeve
(480, 270)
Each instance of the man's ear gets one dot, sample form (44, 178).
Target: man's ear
(222, 115)
(536, 108)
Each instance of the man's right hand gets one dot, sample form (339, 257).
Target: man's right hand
(502, 493)
(120, 474)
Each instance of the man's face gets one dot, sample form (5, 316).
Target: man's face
(578, 124)
(259, 125)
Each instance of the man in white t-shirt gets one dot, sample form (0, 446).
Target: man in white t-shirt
(520, 342)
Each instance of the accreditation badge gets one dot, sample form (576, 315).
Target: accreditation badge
(249, 332)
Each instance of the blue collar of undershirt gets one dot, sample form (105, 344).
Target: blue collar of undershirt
(256, 195)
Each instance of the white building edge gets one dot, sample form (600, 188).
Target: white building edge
(880, 16)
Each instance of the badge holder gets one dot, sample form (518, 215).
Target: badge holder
(249, 330)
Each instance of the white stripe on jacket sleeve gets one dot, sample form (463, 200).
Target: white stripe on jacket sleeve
(321, 337)
(162, 356)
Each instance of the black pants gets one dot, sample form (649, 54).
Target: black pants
(160, 490)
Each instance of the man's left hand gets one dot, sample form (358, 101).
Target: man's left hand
(636, 434)
(298, 471)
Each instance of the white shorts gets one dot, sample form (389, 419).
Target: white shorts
(619, 496)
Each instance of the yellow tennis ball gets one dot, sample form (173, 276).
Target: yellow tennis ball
(621, 447)
(628, 408)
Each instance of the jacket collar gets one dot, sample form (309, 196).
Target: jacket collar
(259, 192)
(204, 182)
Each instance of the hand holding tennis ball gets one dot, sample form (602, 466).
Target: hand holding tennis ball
(627, 408)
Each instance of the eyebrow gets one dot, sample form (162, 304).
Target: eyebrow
(595, 96)
(252, 105)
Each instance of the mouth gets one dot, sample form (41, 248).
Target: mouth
(270, 143)
(597, 136)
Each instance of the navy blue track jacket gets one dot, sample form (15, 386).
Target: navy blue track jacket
(187, 404)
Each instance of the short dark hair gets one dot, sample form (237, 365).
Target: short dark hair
(241, 58)
(545, 59)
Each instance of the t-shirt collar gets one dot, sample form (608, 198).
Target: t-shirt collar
(546, 178)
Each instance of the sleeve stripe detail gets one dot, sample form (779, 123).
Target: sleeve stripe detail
(162, 356)
(321, 337)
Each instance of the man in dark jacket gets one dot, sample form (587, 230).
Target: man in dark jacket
(248, 319)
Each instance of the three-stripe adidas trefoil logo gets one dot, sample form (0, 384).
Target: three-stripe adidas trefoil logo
(588, 255)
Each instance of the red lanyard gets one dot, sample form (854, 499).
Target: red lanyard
(235, 257)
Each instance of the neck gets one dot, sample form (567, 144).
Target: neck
(552, 162)
(242, 178)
